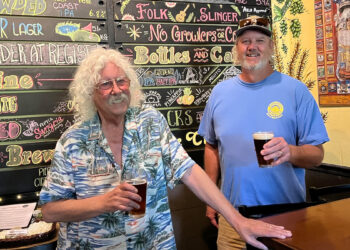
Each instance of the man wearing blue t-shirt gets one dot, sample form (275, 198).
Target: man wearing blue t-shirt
(259, 99)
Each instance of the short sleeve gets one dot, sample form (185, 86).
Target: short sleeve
(311, 128)
(174, 156)
(206, 126)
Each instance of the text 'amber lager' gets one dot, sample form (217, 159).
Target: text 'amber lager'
(141, 185)
(260, 138)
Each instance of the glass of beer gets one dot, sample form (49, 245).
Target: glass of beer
(260, 138)
(139, 181)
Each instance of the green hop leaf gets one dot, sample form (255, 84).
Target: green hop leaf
(278, 13)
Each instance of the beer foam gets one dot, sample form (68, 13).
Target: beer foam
(136, 181)
(263, 135)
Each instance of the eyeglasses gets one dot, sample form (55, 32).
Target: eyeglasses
(122, 83)
(261, 21)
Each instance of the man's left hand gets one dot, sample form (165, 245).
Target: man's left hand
(278, 149)
(251, 229)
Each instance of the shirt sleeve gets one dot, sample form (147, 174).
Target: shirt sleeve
(174, 156)
(59, 182)
(206, 126)
(311, 128)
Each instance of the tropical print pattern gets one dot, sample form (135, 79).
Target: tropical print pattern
(83, 167)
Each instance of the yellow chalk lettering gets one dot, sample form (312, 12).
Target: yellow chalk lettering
(39, 182)
(26, 82)
(15, 155)
(141, 55)
(42, 171)
(8, 104)
(213, 54)
(228, 57)
(37, 157)
(48, 155)
(18, 157)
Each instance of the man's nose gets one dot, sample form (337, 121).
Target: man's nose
(252, 46)
(116, 88)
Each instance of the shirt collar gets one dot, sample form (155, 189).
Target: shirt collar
(95, 128)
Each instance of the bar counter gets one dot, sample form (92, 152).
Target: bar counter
(320, 227)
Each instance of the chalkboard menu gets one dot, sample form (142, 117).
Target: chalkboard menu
(180, 50)
(42, 42)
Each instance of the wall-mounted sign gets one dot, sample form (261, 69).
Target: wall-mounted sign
(180, 118)
(177, 55)
(177, 96)
(186, 75)
(169, 33)
(35, 78)
(62, 8)
(52, 29)
(182, 12)
(18, 103)
(34, 128)
(28, 53)
(26, 178)
(26, 154)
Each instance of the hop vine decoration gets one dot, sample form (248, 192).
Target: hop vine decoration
(285, 48)
(296, 63)
(283, 27)
(324, 116)
(293, 60)
(277, 59)
(290, 60)
(280, 12)
(295, 28)
(297, 7)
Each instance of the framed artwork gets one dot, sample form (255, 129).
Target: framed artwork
(333, 51)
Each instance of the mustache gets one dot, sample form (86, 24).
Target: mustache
(116, 99)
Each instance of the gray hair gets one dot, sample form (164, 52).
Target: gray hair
(88, 75)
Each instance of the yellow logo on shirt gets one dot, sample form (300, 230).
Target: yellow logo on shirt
(275, 110)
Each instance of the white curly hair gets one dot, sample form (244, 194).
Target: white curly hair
(88, 75)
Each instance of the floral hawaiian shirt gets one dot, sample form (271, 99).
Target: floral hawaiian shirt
(83, 167)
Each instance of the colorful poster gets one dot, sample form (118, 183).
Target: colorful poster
(333, 51)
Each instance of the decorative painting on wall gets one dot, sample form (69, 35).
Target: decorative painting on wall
(333, 51)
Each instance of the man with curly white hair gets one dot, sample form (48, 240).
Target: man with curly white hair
(115, 135)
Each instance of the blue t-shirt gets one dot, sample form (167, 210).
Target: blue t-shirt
(235, 111)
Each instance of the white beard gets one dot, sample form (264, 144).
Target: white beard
(260, 65)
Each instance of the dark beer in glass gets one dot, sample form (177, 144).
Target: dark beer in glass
(141, 185)
(260, 138)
